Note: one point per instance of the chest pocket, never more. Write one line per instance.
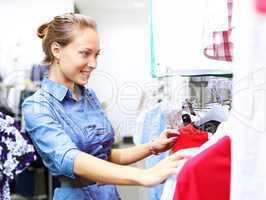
(99, 138)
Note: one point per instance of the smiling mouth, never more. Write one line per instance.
(87, 73)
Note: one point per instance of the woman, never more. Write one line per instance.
(69, 128)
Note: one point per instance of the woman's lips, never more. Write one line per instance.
(85, 72)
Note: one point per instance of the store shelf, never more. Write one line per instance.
(194, 72)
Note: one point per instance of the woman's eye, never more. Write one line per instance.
(87, 54)
(84, 53)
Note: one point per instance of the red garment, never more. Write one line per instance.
(207, 175)
(223, 50)
(190, 137)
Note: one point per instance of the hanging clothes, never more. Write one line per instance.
(150, 125)
(207, 175)
(221, 89)
(16, 154)
(218, 29)
(217, 114)
(170, 183)
(38, 72)
(248, 117)
(201, 142)
(190, 137)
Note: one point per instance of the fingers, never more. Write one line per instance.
(174, 171)
(172, 139)
(175, 163)
(171, 133)
(177, 156)
(170, 172)
(169, 168)
(168, 140)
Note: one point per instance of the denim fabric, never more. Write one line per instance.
(91, 192)
(61, 127)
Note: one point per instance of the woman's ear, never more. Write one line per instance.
(56, 50)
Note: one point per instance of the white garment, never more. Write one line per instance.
(248, 177)
(169, 188)
(170, 184)
(218, 113)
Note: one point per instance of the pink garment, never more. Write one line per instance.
(222, 47)
(260, 6)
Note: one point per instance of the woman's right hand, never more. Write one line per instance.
(161, 171)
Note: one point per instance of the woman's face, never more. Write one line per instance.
(79, 58)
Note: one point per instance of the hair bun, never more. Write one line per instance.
(42, 30)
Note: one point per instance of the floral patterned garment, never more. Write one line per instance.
(16, 154)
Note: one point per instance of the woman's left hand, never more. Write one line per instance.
(164, 142)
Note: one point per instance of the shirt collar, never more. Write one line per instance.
(57, 90)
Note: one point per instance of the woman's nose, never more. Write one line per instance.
(92, 63)
(93, 66)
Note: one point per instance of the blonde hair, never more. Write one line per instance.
(61, 30)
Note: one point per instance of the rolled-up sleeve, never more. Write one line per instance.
(55, 147)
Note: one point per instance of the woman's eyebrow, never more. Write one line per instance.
(89, 49)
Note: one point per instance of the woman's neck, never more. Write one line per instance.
(57, 76)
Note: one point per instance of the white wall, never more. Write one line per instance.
(19, 45)
(182, 29)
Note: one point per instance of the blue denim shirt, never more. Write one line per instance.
(61, 127)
